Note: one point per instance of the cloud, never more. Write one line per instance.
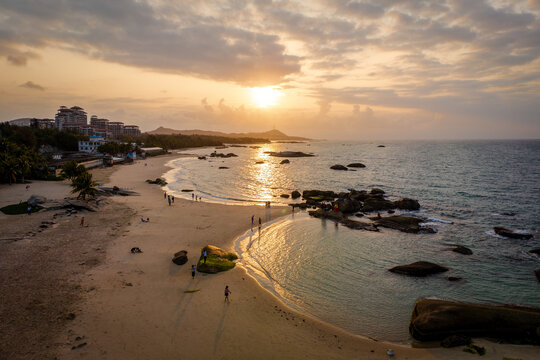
(205, 105)
(32, 86)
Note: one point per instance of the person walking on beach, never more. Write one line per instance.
(227, 292)
(165, 195)
(252, 221)
(169, 199)
(172, 197)
(193, 271)
(192, 196)
(260, 222)
(82, 221)
(29, 209)
(204, 254)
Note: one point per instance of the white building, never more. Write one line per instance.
(91, 145)
(70, 118)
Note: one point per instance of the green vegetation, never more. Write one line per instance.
(17, 209)
(114, 148)
(84, 185)
(191, 291)
(72, 169)
(33, 138)
(183, 141)
(217, 260)
(18, 162)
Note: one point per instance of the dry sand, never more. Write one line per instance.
(135, 306)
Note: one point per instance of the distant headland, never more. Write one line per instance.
(274, 135)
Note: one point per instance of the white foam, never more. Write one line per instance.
(441, 221)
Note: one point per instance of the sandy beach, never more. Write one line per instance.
(99, 301)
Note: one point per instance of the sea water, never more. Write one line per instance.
(341, 275)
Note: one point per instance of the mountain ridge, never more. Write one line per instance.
(270, 135)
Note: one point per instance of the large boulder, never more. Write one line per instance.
(347, 205)
(407, 204)
(434, 319)
(358, 225)
(286, 161)
(376, 191)
(295, 194)
(319, 195)
(180, 258)
(377, 202)
(323, 214)
(356, 165)
(537, 274)
(217, 260)
(338, 167)
(462, 250)
(36, 200)
(419, 268)
(499, 230)
(402, 223)
(289, 154)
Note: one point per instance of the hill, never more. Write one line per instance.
(270, 135)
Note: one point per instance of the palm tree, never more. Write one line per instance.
(71, 170)
(84, 185)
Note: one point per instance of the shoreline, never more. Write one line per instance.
(136, 305)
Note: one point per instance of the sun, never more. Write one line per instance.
(265, 97)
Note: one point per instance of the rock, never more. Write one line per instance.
(347, 205)
(455, 340)
(223, 167)
(359, 215)
(358, 195)
(80, 205)
(462, 250)
(474, 349)
(295, 194)
(221, 155)
(537, 274)
(286, 161)
(407, 204)
(158, 181)
(391, 211)
(259, 162)
(319, 195)
(402, 223)
(535, 251)
(356, 165)
(36, 200)
(377, 203)
(180, 258)
(419, 268)
(285, 196)
(289, 154)
(201, 157)
(454, 278)
(358, 225)
(338, 167)
(499, 230)
(381, 146)
(376, 191)
(434, 319)
(322, 214)
(217, 260)
(187, 190)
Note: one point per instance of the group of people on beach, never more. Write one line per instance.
(195, 197)
(169, 198)
(253, 222)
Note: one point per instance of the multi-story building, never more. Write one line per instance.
(69, 117)
(116, 128)
(91, 145)
(42, 123)
(132, 130)
(101, 124)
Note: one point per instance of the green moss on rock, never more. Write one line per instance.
(217, 260)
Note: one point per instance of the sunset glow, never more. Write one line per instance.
(264, 97)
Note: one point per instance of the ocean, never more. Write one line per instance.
(340, 275)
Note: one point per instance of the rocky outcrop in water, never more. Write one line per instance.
(402, 223)
(499, 230)
(289, 154)
(319, 195)
(338, 167)
(437, 319)
(407, 204)
(419, 268)
(221, 155)
(462, 250)
(295, 194)
(537, 274)
(356, 165)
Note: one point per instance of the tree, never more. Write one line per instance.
(84, 185)
(71, 170)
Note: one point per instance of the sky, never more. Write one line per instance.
(350, 70)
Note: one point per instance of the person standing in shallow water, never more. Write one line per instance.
(193, 271)
(260, 222)
(227, 292)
